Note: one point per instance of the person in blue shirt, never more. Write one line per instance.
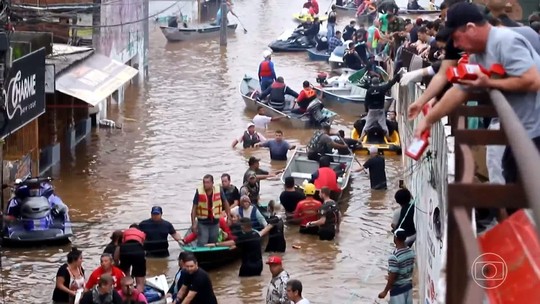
(334, 42)
(277, 146)
(218, 14)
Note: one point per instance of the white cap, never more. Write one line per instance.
(267, 53)
(373, 150)
(250, 125)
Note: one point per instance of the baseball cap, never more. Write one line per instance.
(250, 125)
(459, 15)
(157, 210)
(400, 234)
(252, 175)
(373, 149)
(274, 259)
(252, 160)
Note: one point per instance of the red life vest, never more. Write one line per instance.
(265, 70)
(134, 234)
(327, 178)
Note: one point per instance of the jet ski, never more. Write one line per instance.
(36, 215)
(294, 41)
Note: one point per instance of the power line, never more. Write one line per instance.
(109, 25)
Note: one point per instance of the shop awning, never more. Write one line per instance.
(94, 79)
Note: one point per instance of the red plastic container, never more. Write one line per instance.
(452, 75)
(417, 146)
(497, 71)
(508, 267)
(469, 71)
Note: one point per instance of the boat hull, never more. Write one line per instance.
(213, 257)
(250, 84)
(301, 168)
(346, 11)
(341, 98)
(16, 236)
(188, 34)
(315, 55)
(155, 289)
(419, 12)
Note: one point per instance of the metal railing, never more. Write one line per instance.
(464, 194)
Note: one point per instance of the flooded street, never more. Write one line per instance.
(177, 128)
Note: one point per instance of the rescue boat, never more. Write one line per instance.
(301, 168)
(375, 138)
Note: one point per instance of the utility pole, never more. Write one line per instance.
(223, 31)
(96, 24)
(5, 65)
(146, 33)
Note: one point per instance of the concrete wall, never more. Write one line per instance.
(427, 180)
(122, 39)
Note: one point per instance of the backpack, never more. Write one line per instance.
(314, 145)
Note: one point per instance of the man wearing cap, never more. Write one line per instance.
(376, 166)
(488, 45)
(251, 188)
(277, 289)
(400, 272)
(267, 73)
(209, 203)
(253, 163)
(249, 242)
(157, 230)
(249, 138)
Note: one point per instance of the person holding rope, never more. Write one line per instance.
(400, 271)
(405, 220)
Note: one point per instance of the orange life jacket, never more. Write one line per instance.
(202, 206)
(264, 69)
(310, 95)
(327, 178)
(134, 234)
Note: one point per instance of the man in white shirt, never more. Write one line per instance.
(294, 292)
(261, 120)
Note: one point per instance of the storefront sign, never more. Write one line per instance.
(24, 92)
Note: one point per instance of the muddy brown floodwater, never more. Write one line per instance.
(178, 127)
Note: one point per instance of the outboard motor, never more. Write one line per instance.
(322, 43)
(35, 213)
(321, 78)
(173, 21)
(315, 112)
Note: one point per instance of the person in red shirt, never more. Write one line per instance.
(106, 267)
(314, 9)
(306, 96)
(307, 210)
(326, 177)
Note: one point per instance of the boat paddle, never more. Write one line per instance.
(245, 31)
